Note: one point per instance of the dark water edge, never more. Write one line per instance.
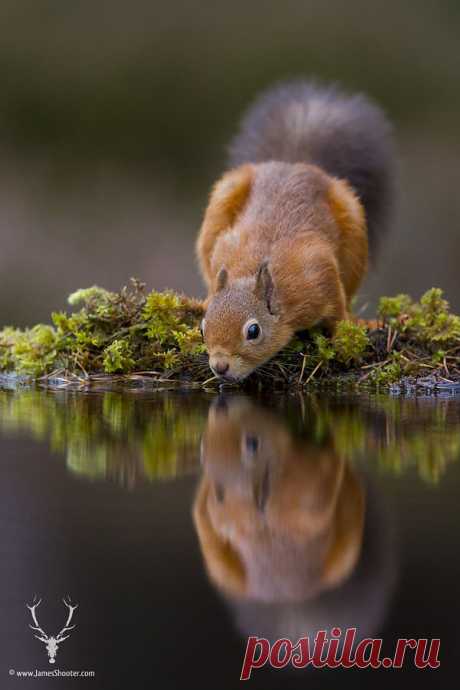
(109, 498)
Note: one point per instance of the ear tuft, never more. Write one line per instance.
(222, 279)
(265, 287)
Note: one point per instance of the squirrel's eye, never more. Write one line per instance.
(253, 331)
(252, 443)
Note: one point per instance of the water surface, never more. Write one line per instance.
(183, 523)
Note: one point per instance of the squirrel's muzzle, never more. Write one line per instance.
(220, 366)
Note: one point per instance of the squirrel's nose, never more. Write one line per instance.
(221, 368)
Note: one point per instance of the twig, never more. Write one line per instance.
(444, 362)
(314, 372)
(212, 378)
(303, 368)
(388, 338)
(375, 365)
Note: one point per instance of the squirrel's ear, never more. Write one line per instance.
(227, 200)
(222, 279)
(265, 288)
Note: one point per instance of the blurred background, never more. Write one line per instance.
(114, 120)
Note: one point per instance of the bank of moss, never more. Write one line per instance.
(137, 338)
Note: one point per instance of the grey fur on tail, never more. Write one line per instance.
(346, 135)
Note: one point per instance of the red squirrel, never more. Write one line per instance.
(285, 238)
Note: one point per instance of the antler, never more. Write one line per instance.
(34, 618)
(66, 627)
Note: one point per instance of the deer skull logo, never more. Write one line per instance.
(52, 643)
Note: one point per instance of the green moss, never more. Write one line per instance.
(31, 351)
(87, 296)
(428, 321)
(111, 333)
(387, 374)
(118, 357)
(325, 348)
(394, 308)
(350, 342)
(124, 333)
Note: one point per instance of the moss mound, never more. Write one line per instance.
(137, 338)
(108, 333)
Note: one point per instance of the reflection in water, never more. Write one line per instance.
(122, 438)
(288, 509)
(280, 520)
(135, 437)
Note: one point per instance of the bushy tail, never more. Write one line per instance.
(346, 135)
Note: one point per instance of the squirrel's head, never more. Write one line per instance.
(243, 325)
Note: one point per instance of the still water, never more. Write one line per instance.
(181, 524)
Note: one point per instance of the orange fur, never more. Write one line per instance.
(310, 229)
(353, 249)
(227, 198)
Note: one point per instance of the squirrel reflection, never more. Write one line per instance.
(279, 518)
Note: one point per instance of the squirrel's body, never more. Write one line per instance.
(284, 242)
